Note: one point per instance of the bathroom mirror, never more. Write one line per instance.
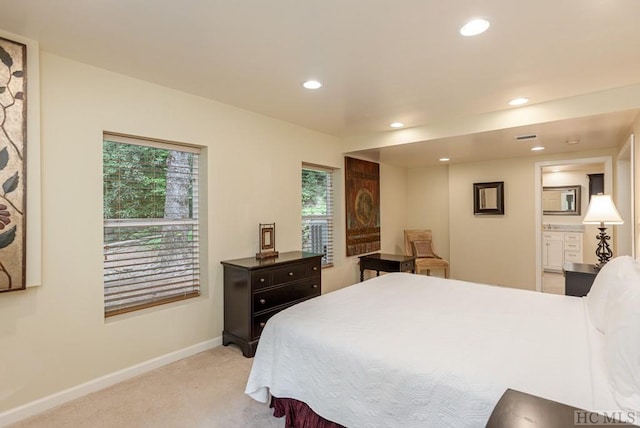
(561, 200)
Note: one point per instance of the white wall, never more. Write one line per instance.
(55, 336)
(393, 209)
(493, 249)
(428, 204)
(487, 249)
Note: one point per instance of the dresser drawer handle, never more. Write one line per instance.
(315, 268)
(314, 286)
(263, 301)
(290, 273)
(262, 324)
(261, 279)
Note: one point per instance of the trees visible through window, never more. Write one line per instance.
(317, 211)
(151, 240)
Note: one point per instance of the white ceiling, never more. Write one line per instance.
(585, 133)
(380, 60)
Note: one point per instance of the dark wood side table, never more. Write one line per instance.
(578, 278)
(518, 409)
(386, 263)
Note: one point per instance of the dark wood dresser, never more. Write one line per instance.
(255, 290)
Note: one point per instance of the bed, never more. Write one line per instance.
(413, 351)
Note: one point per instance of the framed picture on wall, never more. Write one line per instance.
(488, 198)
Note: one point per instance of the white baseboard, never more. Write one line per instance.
(30, 409)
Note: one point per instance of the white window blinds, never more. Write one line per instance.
(317, 211)
(151, 227)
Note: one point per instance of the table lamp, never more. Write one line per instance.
(602, 211)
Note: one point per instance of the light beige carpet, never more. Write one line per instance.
(205, 390)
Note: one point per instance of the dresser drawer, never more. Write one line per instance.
(259, 322)
(290, 273)
(313, 268)
(265, 300)
(408, 266)
(261, 279)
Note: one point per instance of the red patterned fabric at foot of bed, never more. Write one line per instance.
(299, 415)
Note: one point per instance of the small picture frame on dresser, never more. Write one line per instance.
(267, 238)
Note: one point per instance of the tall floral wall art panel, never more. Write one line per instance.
(13, 143)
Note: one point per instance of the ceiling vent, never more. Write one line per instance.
(527, 137)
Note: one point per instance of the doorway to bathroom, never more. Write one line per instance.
(562, 197)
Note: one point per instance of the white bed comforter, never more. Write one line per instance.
(406, 350)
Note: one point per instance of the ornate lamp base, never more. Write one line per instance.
(603, 251)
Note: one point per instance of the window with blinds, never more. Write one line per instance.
(150, 211)
(317, 211)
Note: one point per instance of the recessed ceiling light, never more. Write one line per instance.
(537, 148)
(312, 84)
(396, 125)
(474, 27)
(444, 159)
(573, 141)
(518, 101)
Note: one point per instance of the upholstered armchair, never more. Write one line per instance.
(419, 243)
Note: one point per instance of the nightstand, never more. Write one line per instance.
(578, 278)
(518, 409)
(386, 263)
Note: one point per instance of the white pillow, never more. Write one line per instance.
(615, 277)
(622, 351)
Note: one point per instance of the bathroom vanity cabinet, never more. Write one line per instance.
(559, 248)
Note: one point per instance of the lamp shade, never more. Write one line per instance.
(602, 210)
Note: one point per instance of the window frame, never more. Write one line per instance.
(328, 259)
(191, 241)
